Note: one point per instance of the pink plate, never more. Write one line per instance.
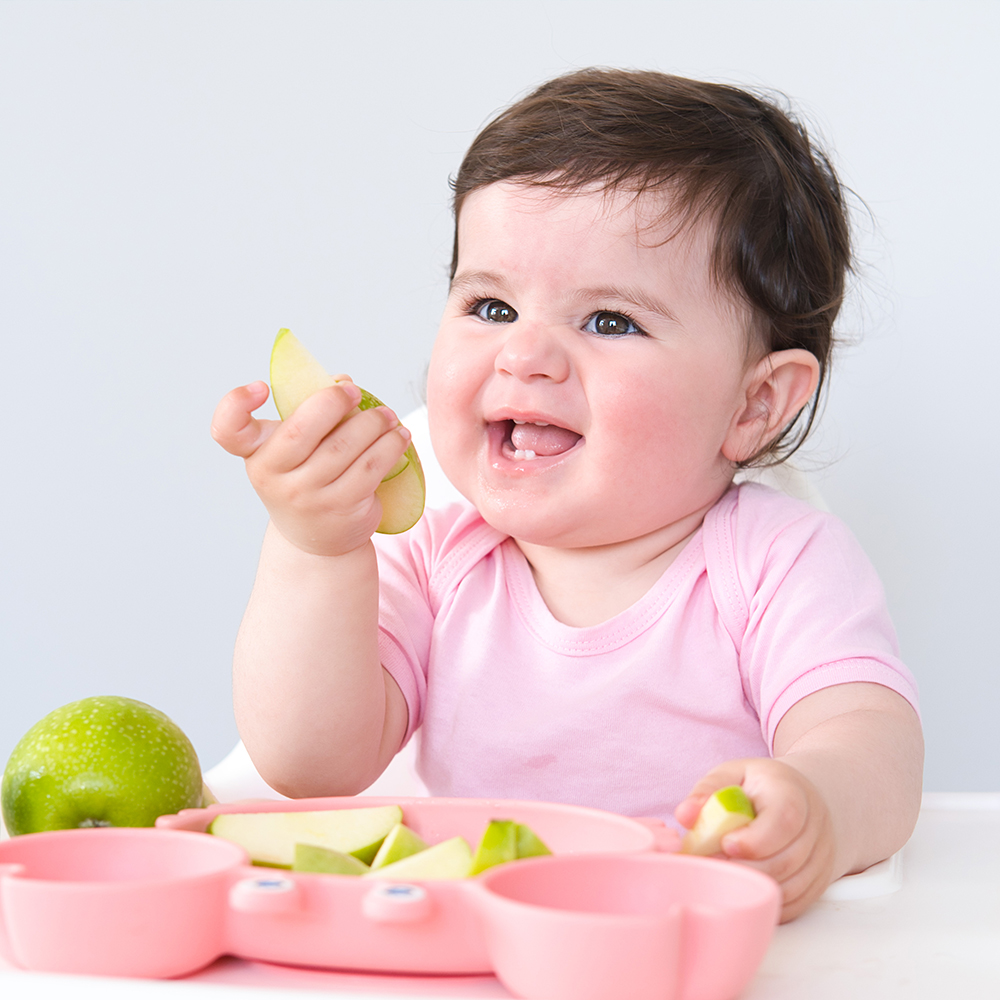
(609, 908)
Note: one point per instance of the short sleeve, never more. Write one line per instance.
(801, 602)
(405, 621)
(416, 571)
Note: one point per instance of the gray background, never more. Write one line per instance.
(178, 180)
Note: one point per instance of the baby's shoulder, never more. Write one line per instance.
(753, 514)
(455, 527)
(443, 544)
(756, 533)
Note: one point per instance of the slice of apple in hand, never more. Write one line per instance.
(295, 376)
(726, 810)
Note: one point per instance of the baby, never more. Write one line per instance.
(645, 277)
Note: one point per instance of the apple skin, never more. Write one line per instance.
(497, 846)
(103, 761)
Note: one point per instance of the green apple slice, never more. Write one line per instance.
(270, 837)
(325, 860)
(295, 376)
(449, 859)
(529, 844)
(726, 810)
(399, 843)
(497, 846)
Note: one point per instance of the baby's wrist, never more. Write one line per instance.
(287, 547)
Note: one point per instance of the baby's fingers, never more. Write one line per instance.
(233, 424)
(782, 809)
(805, 884)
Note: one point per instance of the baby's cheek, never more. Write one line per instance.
(451, 438)
(656, 445)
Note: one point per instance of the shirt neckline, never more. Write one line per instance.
(590, 640)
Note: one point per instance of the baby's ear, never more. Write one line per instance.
(777, 387)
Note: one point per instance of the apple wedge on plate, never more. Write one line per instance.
(401, 842)
(497, 846)
(325, 860)
(447, 860)
(270, 837)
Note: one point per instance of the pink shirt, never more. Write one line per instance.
(768, 602)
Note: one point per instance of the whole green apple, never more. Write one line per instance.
(104, 761)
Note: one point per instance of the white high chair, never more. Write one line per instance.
(235, 777)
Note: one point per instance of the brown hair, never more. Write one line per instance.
(782, 240)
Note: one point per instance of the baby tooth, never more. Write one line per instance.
(529, 453)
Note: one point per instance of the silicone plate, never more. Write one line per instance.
(607, 915)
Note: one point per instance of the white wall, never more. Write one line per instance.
(180, 179)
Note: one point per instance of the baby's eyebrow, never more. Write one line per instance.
(465, 280)
(622, 294)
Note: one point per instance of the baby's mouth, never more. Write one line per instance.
(525, 441)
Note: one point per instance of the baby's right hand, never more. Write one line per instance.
(317, 471)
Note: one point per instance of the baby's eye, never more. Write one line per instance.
(495, 311)
(609, 324)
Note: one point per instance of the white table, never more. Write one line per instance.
(937, 937)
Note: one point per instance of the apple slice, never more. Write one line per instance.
(270, 837)
(529, 844)
(399, 843)
(449, 859)
(313, 858)
(726, 810)
(295, 376)
(497, 846)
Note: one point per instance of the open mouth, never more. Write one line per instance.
(524, 441)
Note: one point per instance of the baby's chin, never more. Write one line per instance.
(509, 511)
(550, 526)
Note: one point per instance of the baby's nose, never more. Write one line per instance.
(533, 351)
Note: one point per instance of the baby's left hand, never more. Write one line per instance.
(792, 838)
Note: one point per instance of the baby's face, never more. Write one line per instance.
(586, 374)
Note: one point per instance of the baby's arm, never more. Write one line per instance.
(841, 793)
(318, 714)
